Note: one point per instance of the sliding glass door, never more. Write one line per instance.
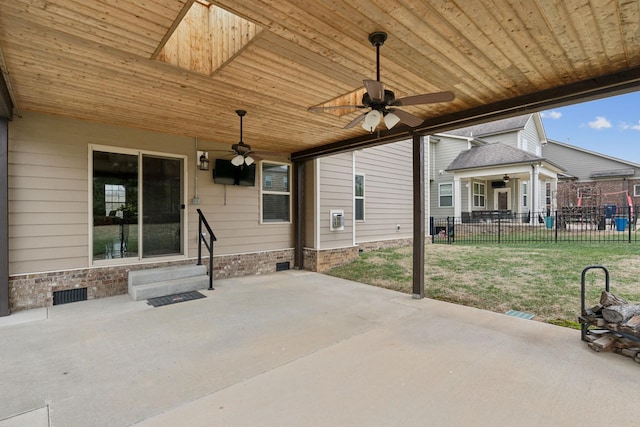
(162, 206)
(137, 205)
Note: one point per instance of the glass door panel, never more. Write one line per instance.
(162, 206)
(115, 205)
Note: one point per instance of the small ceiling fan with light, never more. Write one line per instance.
(243, 154)
(243, 151)
(383, 103)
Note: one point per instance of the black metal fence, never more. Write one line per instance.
(575, 224)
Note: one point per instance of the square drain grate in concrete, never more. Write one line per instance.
(175, 298)
(520, 314)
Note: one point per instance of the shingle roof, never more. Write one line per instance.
(491, 128)
(491, 155)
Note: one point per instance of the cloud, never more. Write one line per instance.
(625, 126)
(600, 123)
(551, 115)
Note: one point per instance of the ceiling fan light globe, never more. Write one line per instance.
(371, 120)
(248, 160)
(390, 120)
(237, 160)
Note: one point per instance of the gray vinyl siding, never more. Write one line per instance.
(336, 193)
(581, 164)
(49, 194)
(530, 134)
(388, 172)
(442, 154)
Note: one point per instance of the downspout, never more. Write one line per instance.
(4, 216)
(428, 178)
(299, 171)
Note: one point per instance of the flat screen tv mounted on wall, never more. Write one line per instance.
(225, 172)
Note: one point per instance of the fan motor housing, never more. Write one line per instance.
(378, 38)
(389, 97)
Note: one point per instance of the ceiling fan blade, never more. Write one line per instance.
(426, 98)
(375, 89)
(355, 121)
(406, 118)
(335, 107)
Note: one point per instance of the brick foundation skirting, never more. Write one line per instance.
(36, 290)
(326, 259)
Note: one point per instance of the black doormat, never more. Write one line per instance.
(175, 298)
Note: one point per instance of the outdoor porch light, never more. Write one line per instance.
(506, 178)
(390, 120)
(204, 161)
(371, 120)
(237, 160)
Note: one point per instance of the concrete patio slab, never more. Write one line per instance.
(302, 349)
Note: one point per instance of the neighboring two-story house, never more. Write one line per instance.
(494, 169)
(595, 180)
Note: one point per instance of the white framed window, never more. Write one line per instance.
(525, 194)
(636, 190)
(445, 195)
(479, 195)
(358, 192)
(275, 193)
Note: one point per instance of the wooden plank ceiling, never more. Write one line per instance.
(116, 61)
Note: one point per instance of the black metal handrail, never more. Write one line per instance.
(208, 245)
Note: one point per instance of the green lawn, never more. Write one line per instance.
(542, 279)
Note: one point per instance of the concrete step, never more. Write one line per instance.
(159, 282)
(142, 277)
(168, 287)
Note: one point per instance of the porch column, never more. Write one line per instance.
(457, 197)
(299, 216)
(535, 202)
(4, 216)
(418, 217)
(531, 195)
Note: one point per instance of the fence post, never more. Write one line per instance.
(629, 222)
(432, 229)
(555, 221)
(499, 230)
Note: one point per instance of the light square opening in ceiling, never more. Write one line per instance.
(351, 98)
(206, 38)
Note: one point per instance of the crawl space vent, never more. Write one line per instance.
(281, 266)
(69, 295)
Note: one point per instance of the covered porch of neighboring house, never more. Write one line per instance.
(497, 181)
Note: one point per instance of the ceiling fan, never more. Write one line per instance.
(382, 102)
(243, 153)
